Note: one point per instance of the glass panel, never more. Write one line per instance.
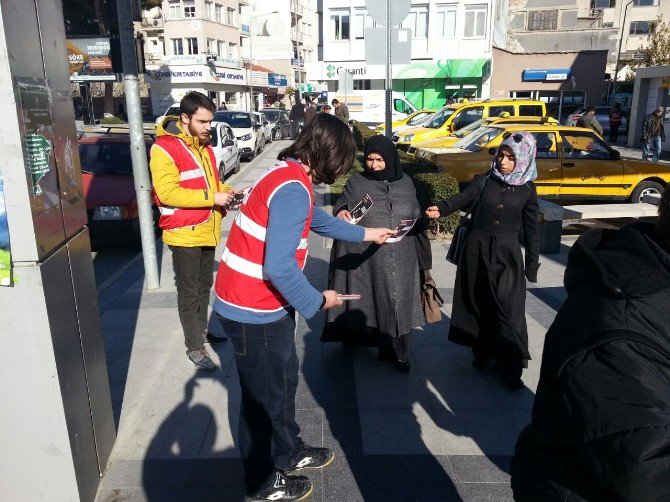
(546, 145)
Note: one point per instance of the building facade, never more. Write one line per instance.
(651, 90)
(450, 49)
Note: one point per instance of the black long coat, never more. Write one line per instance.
(490, 292)
(601, 418)
(387, 276)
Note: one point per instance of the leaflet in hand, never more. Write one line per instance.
(403, 229)
(360, 209)
(239, 197)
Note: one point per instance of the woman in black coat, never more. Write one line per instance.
(387, 277)
(490, 292)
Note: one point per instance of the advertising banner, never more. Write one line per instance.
(195, 74)
(90, 59)
(5, 257)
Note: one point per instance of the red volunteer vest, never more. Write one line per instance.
(241, 280)
(191, 175)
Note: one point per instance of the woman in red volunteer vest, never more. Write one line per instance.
(260, 286)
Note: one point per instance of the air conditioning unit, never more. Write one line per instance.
(156, 22)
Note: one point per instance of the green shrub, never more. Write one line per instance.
(361, 133)
(434, 187)
(336, 188)
(111, 120)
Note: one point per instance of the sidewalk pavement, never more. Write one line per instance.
(444, 432)
(636, 153)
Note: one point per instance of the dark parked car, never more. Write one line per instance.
(109, 189)
(280, 125)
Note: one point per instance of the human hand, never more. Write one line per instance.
(344, 215)
(433, 212)
(223, 198)
(378, 235)
(331, 299)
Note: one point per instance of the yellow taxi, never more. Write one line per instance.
(503, 118)
(459, 115)
(572, 163)
(414, 119)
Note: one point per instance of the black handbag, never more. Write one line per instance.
(461, 233)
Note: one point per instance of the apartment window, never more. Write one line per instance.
(211, 46)
(221, 48)
(446, 20)
(174, 11)
(209, 10)
(192, 44)
(232, 50)
(218, 13)
(230, 16)
(642, 3)
(359, 24)
(417, 21)
(642, 27)
(339, 20)
(541, 20)
(475, 21)
(177, 46)
(189, 8)
(603, 4)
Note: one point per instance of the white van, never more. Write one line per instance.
(172, 110)
(250, 138)
(369, 108)
(225, 148)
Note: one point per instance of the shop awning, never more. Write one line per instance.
(450, 68)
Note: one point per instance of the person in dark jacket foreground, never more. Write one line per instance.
(601, 420)
(489, 312)
(387, 277)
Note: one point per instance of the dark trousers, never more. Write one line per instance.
(267, 365)
(194, 274)
(614, 133)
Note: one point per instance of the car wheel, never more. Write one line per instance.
(646, 188)
(238, 164)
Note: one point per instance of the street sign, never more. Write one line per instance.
(375, 46)
(345, 83)
(377, 11)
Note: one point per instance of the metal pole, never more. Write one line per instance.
(389, 85)
(251, 67)
(138, 150)
(618, 54)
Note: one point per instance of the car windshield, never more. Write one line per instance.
(272, 115)
(469, 128)
(105, 158)
(478, 139)
(234, 119)
(439, 118)
(173, 110)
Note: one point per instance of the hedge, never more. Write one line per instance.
(430, 184)
(111, 120)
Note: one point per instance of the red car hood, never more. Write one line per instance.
(108, 190)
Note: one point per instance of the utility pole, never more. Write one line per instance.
(389, 82)
(138, 151)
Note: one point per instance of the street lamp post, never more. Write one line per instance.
(618, 54)
(251, 64)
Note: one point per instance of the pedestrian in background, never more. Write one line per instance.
(490, 292)
(588, 119)
(601, 420)
(341, 111)
(259, 287)
(326, 109)
(297, 118)
(615, 122)
(389, 277)
(192, 201)
(653, 134)
(310, 111)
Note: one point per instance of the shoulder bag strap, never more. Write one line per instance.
(474, 202)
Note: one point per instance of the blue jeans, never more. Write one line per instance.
(653, 146)
(267, 365)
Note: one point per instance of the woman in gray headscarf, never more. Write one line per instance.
(490, 292)
(387, 277)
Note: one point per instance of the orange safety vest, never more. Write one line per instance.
(191, 175)
(241, 280)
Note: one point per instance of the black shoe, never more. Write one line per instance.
(310, 458)
(287, 488)
(402, 366)
(211, 338)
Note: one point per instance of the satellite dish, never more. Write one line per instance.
(275, 26)
(195, 24)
